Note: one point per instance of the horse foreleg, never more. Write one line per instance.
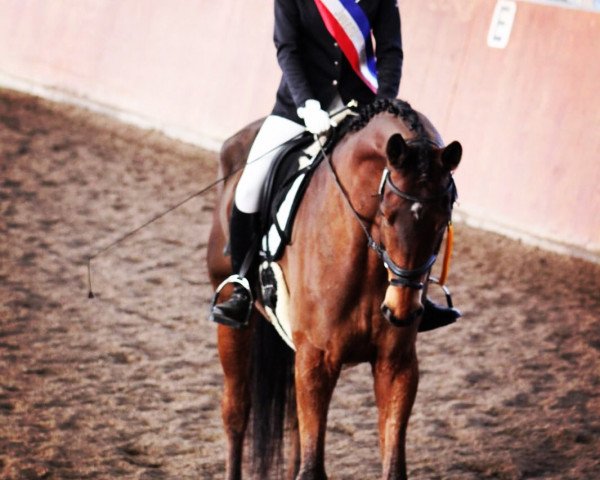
(315, 381)
(234, 351)
(396, 381)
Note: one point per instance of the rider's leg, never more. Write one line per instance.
(242, 228)
(274, 132)
(244, 216)
(436, 316)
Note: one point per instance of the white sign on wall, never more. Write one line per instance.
(502, 23)
(590, 5)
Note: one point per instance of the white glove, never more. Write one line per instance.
(316, 120)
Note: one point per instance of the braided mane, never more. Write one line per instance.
(396, 107)
(419, 160)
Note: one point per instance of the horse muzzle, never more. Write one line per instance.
(402, 303)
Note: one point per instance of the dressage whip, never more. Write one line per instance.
(174, 207)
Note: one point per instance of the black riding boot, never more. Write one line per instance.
(242, 230)
(436, 316)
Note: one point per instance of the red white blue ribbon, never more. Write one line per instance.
(349, 26)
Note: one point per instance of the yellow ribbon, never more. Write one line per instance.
(447, 254)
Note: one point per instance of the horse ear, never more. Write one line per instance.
(396, 147)
(451, 155)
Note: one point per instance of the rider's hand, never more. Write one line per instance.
(316, 120)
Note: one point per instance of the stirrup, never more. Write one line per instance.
(445, 289)
(444, 317)
(238, 280)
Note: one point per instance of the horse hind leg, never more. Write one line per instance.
(235, 353)
(234, 345)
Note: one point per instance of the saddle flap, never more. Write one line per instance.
(285, 164)
(286, 184)
(282, 193)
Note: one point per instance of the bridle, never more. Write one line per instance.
(400, 277)
(405, 277)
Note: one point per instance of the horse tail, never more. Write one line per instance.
(273, 398)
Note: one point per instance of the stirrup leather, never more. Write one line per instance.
(445, 289)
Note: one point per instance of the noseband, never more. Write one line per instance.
(404, 277)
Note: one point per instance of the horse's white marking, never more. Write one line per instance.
(280, 318)
(416, 209)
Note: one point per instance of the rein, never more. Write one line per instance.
(402, 277)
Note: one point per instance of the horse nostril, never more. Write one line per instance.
(401, 322)
(387, 313)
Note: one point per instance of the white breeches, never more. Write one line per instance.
(274, 131)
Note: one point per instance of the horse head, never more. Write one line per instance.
(417, 193)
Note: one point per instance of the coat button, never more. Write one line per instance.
(334, 83)
(335, 44)
(336, 63)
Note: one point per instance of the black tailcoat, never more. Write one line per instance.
(314, 66)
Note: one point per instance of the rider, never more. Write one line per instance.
(325, 51)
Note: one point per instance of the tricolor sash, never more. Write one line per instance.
(349, 26)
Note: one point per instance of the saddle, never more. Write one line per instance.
(282, 194)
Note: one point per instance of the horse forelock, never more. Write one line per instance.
(421, 161)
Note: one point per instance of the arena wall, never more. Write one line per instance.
(527, 115)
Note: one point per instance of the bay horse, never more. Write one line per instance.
(364, 239)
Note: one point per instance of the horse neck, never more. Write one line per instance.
(358, 162)
(358, 168)
(360, 158)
